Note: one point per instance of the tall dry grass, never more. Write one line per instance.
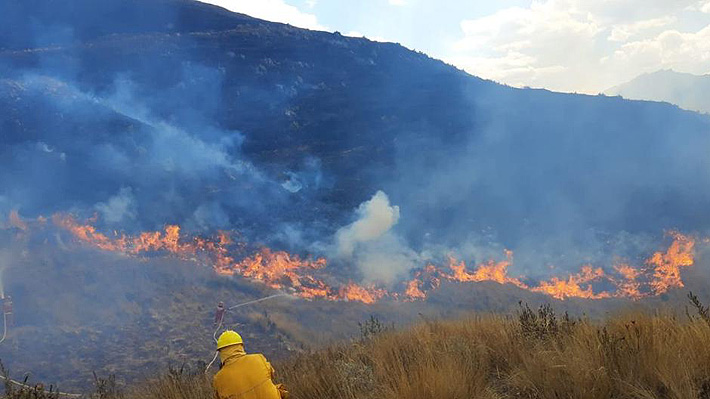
(533, 355)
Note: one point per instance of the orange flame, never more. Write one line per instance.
(414, 290)
(488, 271)
(573, 285)
(428, 276)
(666, 266)
(281, 270)
(628, 286)
(276, 269)
(16, 221)
(354, 292)
(86, 233)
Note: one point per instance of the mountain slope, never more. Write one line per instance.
(345, 117)
(40, 23)
(686, 90)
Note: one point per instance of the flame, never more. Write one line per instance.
(573, 285)
(304, 277)
(354, 292)
(276, 269)
(666, 266)
(487, 271)
(414, 290)
(628, 286)
(16, 221)
(86, 233)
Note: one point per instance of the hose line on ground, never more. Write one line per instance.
(219, 326)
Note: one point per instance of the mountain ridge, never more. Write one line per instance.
(685, 90)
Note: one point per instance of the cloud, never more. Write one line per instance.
(575, 45)
(622, 33)
(273, 10)
(358, 34)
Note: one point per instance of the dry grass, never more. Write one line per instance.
(176, 384)
(533, 355)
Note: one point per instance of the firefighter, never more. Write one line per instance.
(244, 376)
(219, 313)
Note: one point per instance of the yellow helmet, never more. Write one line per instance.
(229, 338)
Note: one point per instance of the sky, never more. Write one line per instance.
(584, 46)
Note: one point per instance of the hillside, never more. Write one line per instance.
(685, 90)
(213, 114)
(535, 354)
(180, 142)
(79, 311)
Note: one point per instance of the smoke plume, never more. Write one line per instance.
(370, 242)
(375, 218)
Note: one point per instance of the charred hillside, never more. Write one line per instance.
(79, 311)
(342, 117)
(221, 121)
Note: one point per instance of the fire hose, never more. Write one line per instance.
(214, 336)
(219, 326)
(58, 393)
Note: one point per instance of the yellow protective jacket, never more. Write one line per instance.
(245, 376)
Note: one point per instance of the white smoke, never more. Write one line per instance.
(3, 264)
(370, 243)
(119, 207)
(375, 218)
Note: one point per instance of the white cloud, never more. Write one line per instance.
(671, 49)
(701, 5)
(272, 10)
(355, 33)
(622, 33)
(358, 34)
(586, 46)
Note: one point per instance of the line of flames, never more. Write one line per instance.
(305, 277)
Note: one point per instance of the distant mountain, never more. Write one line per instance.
(685, 90)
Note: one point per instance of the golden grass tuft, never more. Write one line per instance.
(534, 355)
